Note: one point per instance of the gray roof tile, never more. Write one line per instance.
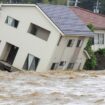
(65, 19)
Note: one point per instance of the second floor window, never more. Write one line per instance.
(39, 32)
(59, 40)
(79, 43)
(99, 38)
(12, 22)
(70, 43)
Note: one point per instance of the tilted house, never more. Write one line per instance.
(42, 37)
(98, 21)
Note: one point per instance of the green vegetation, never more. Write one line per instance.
(97, 59)
(35, 1)
(90, 63)
(100, 55)
(91, 27)
(89, 4)
(101, 52)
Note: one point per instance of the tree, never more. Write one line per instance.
(46, 1)
(102, 9)
(90, 63)
(89, 4)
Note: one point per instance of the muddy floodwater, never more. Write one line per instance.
(54, 88)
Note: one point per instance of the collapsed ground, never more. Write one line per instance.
(52, 88)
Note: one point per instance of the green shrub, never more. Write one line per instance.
(101, 52)
(90, 63)
(91, 27)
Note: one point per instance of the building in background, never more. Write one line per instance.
(98, 21)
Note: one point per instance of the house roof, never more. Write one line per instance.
(65, 19)
(89, 17)
(62, 17)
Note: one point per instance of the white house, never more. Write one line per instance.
(42, 37)
(98, 21)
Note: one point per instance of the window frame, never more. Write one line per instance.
(14, 22)
(70, 65)
(62, 63)
(59, 40)
(70, 43)
(38, 28)
(79, 43)
(98, 40)
(28, 65)
(31, 28)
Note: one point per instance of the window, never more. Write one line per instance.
(70, 43)
(70, 66)
(54, 66)
(59, 40)
(32, 29)
(92, 40)
(79, 43)
(62, 63)
(96, 37)
(99, 38)
(38, 32)
(31, 62)
(12, 22)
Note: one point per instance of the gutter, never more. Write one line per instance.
(87, 54)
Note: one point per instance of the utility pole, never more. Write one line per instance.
(68, 3)
(73, 2)
(76, 3)
(10, 1)
(96, 7)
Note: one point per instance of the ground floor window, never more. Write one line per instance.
(99, 38)
(62, 63)
(31, 62)
(54, 66)
(9, 53)
(70, 66)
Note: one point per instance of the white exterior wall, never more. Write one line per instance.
(95, 47)
(26, 42)
(64, 53)
(81, 57)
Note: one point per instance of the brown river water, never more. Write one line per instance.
(52, 88)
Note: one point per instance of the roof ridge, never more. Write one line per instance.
(51, 4)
